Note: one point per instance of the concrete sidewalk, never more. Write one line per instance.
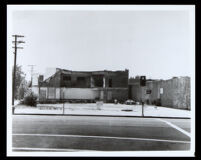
(106, 109)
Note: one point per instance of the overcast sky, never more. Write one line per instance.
(151, 43)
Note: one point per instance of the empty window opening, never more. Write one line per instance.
(110, 82)
(81, 82)
(81, 78)
(98, 81)
(66, 78)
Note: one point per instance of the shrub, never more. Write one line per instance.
(30, 100)
(48, 101)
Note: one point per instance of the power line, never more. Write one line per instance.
(16, 42)
(32, 69)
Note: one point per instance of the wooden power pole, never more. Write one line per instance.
(16, 42)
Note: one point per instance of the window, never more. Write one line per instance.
(81, 82)
(98, 80)
(81, 78)
(110, 82)
(66, 78)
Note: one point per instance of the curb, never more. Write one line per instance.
(102, 115)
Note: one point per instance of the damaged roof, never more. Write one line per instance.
(65, 71)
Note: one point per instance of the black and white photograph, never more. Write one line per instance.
(101, 80)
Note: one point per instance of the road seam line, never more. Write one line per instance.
(106, 137)
(176, 127)
(49, 149)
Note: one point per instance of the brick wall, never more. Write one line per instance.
(119, 79)
(120, 94)
(176, 92)
(68, 79)
(53, 81)
(154, 86)
(136, 92)
(74, 82)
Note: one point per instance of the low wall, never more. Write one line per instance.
(79, 93)
(109, 94)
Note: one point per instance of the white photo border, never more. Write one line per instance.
(12, 8)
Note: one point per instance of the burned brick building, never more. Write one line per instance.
(81, 85)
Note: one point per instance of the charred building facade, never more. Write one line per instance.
(96, 85)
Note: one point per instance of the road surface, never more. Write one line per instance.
(75, 133)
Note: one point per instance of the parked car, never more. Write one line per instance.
(129, 102)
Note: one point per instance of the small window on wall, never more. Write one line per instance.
(66, 78)
(110, 82)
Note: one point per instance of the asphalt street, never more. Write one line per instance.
(72, 133)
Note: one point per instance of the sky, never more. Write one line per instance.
(151, 43)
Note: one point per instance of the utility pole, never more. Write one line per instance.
(16, 42)
(32, 69)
